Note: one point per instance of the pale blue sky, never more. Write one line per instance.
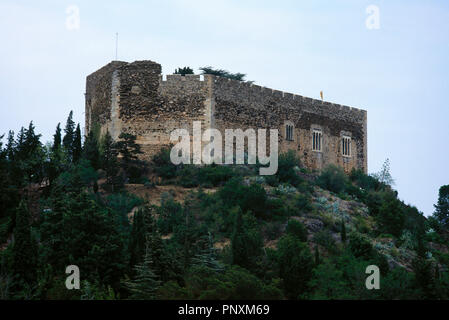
(398, 73)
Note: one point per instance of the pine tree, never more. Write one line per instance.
(128, 149)
(69, 136)
(109, 162)
(24, 250)
(91, 150)
(422, 269)
(208, 256)
(317, 256)
(57, 138)
(77, 150)
(29, 156)
(145, 284)
(142, 226)
(343, 232)
(10, 146)
(442, 207)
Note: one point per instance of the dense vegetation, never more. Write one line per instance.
(295, 235)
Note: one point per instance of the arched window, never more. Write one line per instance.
(346, 146)
(316, 140)
(289, 132)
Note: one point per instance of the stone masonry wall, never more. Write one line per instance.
(133, 98)
(242, 105)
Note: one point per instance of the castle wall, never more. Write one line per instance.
(98, 95)
(134, 98)
(242, 105)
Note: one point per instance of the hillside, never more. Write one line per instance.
(152, 230)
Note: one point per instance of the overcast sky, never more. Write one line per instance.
(398, 72)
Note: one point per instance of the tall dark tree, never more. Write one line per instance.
(129, 149)
(25, 249)
(442, 207)
(77, 230)
(423, 271)
(142, 226)
(391, 217)
(208, 256)
(10, 180)
(56, 164)
(109, 162)
(295, 266)
(29, 155)
(77, 149)
(246, 243)
(69, 135)
(3, 180)
(146, 282)
(91, 150)
(10, 146)
(57, 138)
(343, 232)
(317, 256)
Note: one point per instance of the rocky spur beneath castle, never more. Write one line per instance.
(211, 152)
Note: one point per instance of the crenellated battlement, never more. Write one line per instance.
(256, 89)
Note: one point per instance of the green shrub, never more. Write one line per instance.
(252, 198)
(333, 179)
(391, 217)
(303, 203)
(162, 164)
(364, 181)
(170, 215)
(295, 266)
(215, 174)
(286, 168)
(325, 239)
(276, 208)
(272, 230)
(297, 229)
(188, 177)
(360, 246)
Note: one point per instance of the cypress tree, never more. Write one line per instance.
(24, 250)
(109, 162)
(442, 206)
(69, 136)
(317, 256)
(129, 149)
(77, 150)
(238, 245)
(10, 146)
(57, 138)
(142, 226)
(91, 150)
(343, 232)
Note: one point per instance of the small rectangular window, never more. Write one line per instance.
(316, 140)
(346, 146)
(289, 132)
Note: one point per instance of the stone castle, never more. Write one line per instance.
(135, 98)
